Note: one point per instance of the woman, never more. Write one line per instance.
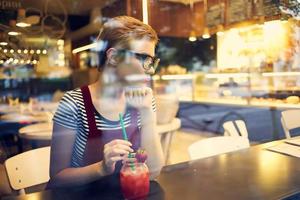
(78, 154)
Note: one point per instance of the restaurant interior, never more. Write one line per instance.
(226, 90)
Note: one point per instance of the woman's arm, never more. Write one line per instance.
(61, 172)
(142, 99)
(151, 141)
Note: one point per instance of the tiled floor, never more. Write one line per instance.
(180, 142)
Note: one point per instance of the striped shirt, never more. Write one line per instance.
(71, 114)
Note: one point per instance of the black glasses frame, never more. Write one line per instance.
(143, 57)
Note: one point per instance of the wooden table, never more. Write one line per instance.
(253, 173)
(25, 118)
(40, 106)
(39, 131)
(5, 108)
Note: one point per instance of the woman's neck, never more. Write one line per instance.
(108, 107)
(95, 89)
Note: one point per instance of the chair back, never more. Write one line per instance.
(166, 132)
(290, 120)
(235, 128)
(29, 168)
(217, 145)
(167, 106)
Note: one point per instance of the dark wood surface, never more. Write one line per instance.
(253, 173)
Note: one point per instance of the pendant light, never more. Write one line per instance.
(206, 33)
(13, 31)
(192, 35)
(21, 19)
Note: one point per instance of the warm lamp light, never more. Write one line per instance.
(13, 31)
(3, 43)
(3, 39)
(206, 34)
(83, 48)
(22, 24)
(192, 37)
(220, 30)
(145, 11)
(21, 19)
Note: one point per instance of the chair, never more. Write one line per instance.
(28, 169)
(235, 128)
(217, 145)
(290, 120)
(167, 106)
(166, 132)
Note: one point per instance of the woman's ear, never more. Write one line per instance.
(111, 55)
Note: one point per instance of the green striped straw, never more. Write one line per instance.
(125, 137)
(123, 127)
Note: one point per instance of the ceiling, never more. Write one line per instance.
(73, 7)
(80, 7)
(53, 16)
(186, 2)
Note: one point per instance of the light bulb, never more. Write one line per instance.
(3, 43)
(206, 34)
(192, 37)
(13, 33)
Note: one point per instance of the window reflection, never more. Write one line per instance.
(173, 71)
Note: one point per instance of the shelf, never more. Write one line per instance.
(175, 77)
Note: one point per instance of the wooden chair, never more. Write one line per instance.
(290, 119)
(166, 132)
(5, 188)
(28, 169)
(235, 128)
(217, 145)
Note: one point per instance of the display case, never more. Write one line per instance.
(255, 66)
(281, 89)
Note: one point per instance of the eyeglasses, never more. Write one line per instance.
(147, 61)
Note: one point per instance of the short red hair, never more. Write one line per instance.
(119, 31)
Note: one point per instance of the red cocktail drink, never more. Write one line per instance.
(134, 178)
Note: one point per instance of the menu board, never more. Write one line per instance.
(271, 7)
(10, 4)
(238, 10)
(215, 15)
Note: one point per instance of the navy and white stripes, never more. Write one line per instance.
(71, 114)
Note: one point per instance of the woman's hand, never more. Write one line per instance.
(139, 97)
(114, 151)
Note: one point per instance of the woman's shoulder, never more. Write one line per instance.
(71, 99)
(74, 95)
(74, 92)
